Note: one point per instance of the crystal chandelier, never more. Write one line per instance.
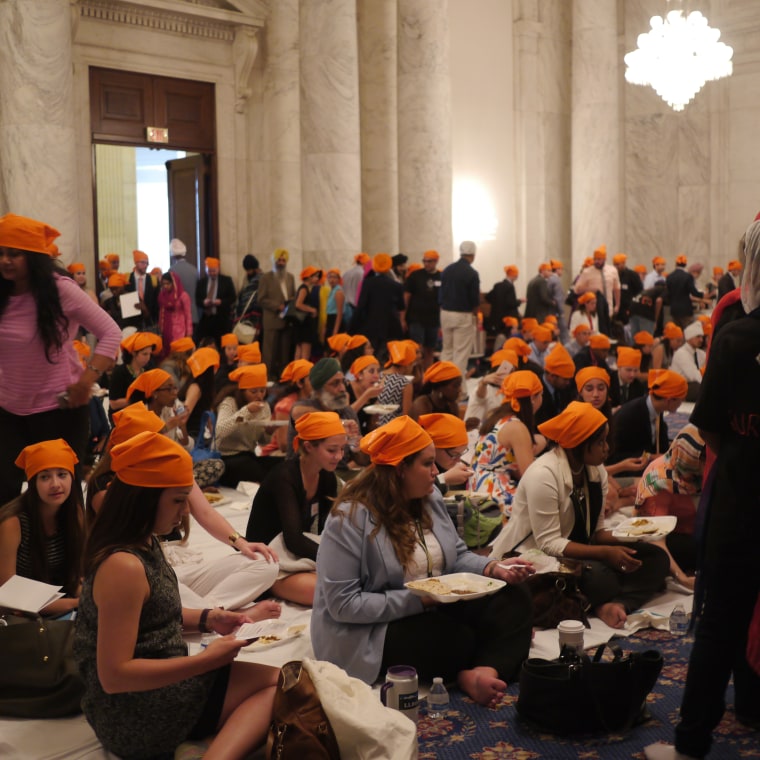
(677, 56)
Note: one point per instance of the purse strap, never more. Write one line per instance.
(208, 417)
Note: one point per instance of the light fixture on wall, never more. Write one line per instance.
(677, 56)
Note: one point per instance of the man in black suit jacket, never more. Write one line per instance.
(731, 279)
(624, 385)
(142, 282)
(559, 390)
(215, 297)
(503, 299)
(639, 426)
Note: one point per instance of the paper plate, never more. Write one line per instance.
(644, 528)
(380, 408)
(270, 633)
(455, 587)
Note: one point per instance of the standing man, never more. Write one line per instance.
(147, 291)
(214, 297)
(630, 286)
(682, 292)
(538, 300)
(187, 273)
(503, 299)
(557, 294)
(460, 300)
(731, 279)
(601, 278)
(656, 274)
(352, 278)
(423, 313)
(276, 288)
(399, 267)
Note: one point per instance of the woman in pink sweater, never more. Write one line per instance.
(175, 319)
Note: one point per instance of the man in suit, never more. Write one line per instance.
(557, 381)
(503, 299)
(276, 288)
(147, 290)
(731, 279)
(594, 354)
(639, 426)
(630, 286)
(214, 297)
(538, 300)
(624, 385)
(682, 292)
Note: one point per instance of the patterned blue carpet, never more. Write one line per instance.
(471, 732)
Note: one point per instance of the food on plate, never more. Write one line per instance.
(213, 498)
(435, 586)
(269, 639)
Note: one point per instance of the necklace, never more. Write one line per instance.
(577, 472)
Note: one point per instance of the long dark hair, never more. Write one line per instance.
(69, 521)
(230, 389)
(524, 414)
(52, 323)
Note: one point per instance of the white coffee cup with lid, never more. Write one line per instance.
(570, 634)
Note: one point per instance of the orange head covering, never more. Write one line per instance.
(202, 359)
(249, 353)
(139, 256)
(550, 319)
(734, 266)
(356, 341)
(46, 455)
(281, 253)
(643, 338)
(580, 327)
(26, 234)
(212, 261)
(156, 272)
(338, 342)
(400, 353)
(250, 376)
(559, 362)
(544, 266)
(588, 261)
(591, 373)
(441, 372)
(140, 340)
(640, 269)
(152, 460)
(658, 260)
(510, 321)
(586, 297)
(520, 384)
(666, 383)
(148, 382)
(717, 271)
(393, 442)
(382, 262)
(446, 430)
(577, 423)
(681, 260)
(619, 258)
(413, 268)
(104, 266)
(628, 357)
(544, 334)
(82, 349)
(112, 258)
(361, 258)
(601, 252)
(555, 264)
(230, 339)
(337, 273)
(511, 271)
(76, 266)
(431, 255)
(131, 420)
(316, 426)
(599, 341)
(296, 370)
(504, 355)
(181, 345)
(672, 331)
(518, 345)
(362, 363)
(117, 280)
(309, 271)
(529, 323)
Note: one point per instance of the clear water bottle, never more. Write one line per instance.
(679, 621)
(207, 638)
(438, 700)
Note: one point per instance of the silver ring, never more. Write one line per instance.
(622, 567)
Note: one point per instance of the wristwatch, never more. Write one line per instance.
(232, 538)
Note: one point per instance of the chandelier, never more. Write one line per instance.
(677, 56)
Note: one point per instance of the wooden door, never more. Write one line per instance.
(189, 183)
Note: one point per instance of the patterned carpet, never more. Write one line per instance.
(471, 732)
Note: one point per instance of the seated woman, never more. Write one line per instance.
(365, 387)
(176, 363)
(388, 527)
(397, 388)
(672, 340)
(144, 695)
(487, 394)
(294, 501)
(441, 388)
(449, 435)
(586, 313)
(227, 360)
(136, 351)
(295, 386)
(558, 508)
(356, 346)
(669, 486)
(508, 443)
(198, 392)
(157, 389)
(42, 531)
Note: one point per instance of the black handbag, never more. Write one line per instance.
(292, 314)
(38, 675)
(581, 695)
(557, 596)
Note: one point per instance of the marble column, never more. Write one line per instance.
(596, 172)
(37, 141)
(424, 129)
(379, 137)
(330, 160)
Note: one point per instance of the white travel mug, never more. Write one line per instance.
(401, 690)
(570, 634)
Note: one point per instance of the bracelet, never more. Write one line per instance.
(232, 538)
(202, 627)
(94, 369)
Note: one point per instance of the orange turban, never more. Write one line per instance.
(308, 272)
(601, 252)
(643, 338)
(315, 426)
(361, 258)
(82, 349)
(75, 267)
(362, 363)
(559, 362)
(203, 359)
(446, 430)
(544, 334)
(658, 260)
(413, 268)
(640, 269)
(681, 260)
(104, 266)
(734, 266)
(579, 328)
(152, 460)
(672, 331)
(586, 297)
(139, 256)
(296, 370)
(619, 258)
(140, 340)
(550, 319)
(529, 323)
(599, 341)
(356, 341)
(133, 419)
(249, 353)
(554, 264)
(181, 345)
(588, 261)
(338, 342)
(250, 376)
(148, 382)
(26, 234)
(717, 271)
(212, 261)
(117, 280)
(511, 271)
(431, 255)
(544, 267)
(393, 442)
(518, 345)
(520, 384)
(666, 383)
(440, 372)
(504, 355)
(400, 353)
(510, 321)
(112, 258)
(576, 424)
(46, 455)
(382, 262)
(628, 357)
(229, 339)
(591, 373)
(156, 272)
(336, 272)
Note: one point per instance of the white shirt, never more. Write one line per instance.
(688, 361)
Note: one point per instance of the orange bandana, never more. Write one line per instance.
(667, 384)
(591, 373)
(446, 430)
(440, 372)
(152, 460)
(133, 419)
(181, 345)
(250, 376)
(393, 442)
(46, 455)
(296, 370)
(315, 426)
(202, 359)
(26, 234)
(578, 422)
(559, 362)
(362, 363)
(249, 353)
(519, 385)
(148, 382)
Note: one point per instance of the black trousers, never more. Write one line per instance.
(246, 466)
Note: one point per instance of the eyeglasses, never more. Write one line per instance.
(454, 454)
(168, 388)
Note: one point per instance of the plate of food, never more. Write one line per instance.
(644, 528)
(475, 497)
(455, 587)
(269, 633)
(215, 499)
(380, 408)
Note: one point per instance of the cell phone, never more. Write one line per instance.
(505, 368)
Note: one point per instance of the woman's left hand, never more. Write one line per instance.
(252, 549)
(225, 621)
(79, 394)
(512, 570)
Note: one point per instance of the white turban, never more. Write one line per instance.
(177, 247)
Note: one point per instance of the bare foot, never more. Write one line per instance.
(612, 613)
(482, 684)
(264, 610)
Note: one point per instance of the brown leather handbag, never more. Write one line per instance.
(300, 729)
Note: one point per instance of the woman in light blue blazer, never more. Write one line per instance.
(389, 526)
